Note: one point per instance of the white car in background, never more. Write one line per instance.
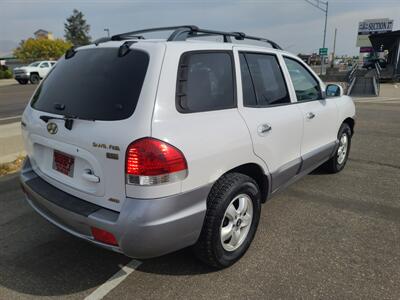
(33, 72)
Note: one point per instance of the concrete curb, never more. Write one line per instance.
(11, 144)
(7, 82)
(9, 120)
(11, 157)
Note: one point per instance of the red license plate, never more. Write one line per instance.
(63, 163)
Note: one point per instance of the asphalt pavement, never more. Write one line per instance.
(325, 237)
(13, 99)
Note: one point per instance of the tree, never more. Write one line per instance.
(76, 29)
(41, 49)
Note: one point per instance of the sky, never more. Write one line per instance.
(294, 24)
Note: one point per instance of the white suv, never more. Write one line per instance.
(145, 146)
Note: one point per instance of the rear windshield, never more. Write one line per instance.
(94, 84)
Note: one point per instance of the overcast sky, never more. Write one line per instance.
(294, 24)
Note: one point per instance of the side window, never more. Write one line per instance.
(306, 86)
(263, 81)
(44, 65)
(205, 82)
(52, 63)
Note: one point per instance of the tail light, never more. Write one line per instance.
(150, 161)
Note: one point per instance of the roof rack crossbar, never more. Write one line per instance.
(126, 35)
(181, 33)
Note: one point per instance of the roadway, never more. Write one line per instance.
(13, 99)
(326, 237)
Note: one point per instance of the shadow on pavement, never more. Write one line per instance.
(179, 263)
(59, 266)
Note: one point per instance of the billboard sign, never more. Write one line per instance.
(372, 26)
(375, 26)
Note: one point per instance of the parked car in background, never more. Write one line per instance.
(34, 72)
(145, 146)
(370, 64)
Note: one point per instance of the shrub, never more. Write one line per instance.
(8, 74)
(1, 74)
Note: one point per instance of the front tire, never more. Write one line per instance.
(34, 79)
(233, 213)
(22, 81)
(338, 161)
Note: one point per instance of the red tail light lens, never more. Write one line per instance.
(104, 236)
(151, 161)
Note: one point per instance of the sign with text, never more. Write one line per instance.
(323, 51)
(375, 26)
(372, 26)
(366, 49)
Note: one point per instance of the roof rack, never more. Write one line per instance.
(182, 33)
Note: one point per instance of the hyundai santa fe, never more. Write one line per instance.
(146, 146)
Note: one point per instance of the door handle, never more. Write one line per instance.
(89, 176)
(264, 128)
(310, 115)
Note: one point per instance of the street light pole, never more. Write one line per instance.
(334, 49)
(323, 6)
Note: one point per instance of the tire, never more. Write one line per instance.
(23, 81)
(231, 189)
(34, 79)
(338, 161)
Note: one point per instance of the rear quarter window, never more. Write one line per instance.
(205, 82)
(95, 84)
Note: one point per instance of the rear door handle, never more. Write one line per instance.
(264, 128)
(310, 115)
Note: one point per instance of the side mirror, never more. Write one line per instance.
(334, 90)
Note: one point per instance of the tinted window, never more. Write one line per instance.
(269, 84)
(44, 65)
(305, 85)
(205, 82)
(249, 96)
(94, 84)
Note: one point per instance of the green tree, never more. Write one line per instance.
(41, 49)
(76, 29)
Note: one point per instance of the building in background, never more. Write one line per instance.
(43, 34)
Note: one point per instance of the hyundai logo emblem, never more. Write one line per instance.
(52, 128)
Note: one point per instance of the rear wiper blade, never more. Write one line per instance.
(69, 120)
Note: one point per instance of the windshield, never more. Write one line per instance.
(34, 64)
(94, 84)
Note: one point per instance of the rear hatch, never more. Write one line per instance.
(84, 115)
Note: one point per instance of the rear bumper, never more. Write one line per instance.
(144, 228)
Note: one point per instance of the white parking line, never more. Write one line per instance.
(10, 118)
(114, 281)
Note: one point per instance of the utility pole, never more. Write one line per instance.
(334, 49)
(108, 31)
(323, 6)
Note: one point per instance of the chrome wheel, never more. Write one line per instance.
(236, 222)
(343, 147)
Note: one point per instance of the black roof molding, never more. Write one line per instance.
(183, 32)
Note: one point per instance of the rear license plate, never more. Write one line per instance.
(63, 163)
